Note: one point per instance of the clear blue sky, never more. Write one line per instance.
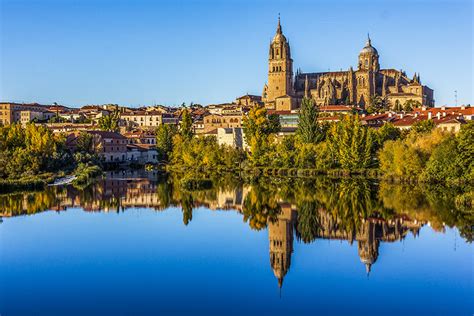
(143, 52)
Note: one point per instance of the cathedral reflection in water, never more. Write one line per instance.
(119, 191)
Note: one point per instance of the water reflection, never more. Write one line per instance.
(353, 210)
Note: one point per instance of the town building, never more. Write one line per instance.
(23, 113)
(249, 100)
(142, 119)
(231, 136)
(446, 122)
(27, 116)
(142, 154)
(110, 146)
(225, 120)
(141, 137)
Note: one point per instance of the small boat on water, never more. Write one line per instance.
(63, 180)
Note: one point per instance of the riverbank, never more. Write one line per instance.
(31, 183)
(82, 176)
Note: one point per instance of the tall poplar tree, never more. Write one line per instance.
(186, 126)
(351, 143)
(309, 130)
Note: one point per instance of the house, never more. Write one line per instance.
(70, 127)
(142, 119)
(377, 120)
(27, 116)
(442, 120)
(231, 136)
(141, 137)
(111, 146)
(228, 120)
(331, 110)
(249, 100)
(142, 154)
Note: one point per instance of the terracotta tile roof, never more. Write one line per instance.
(211, 132)
(106, 134)
(382, 116)
(409, 120)
(458, 109)
(140, 147)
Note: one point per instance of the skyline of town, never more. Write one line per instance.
(218, 67)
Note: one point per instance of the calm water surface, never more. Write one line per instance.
(137, 244)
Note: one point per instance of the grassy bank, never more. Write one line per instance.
(30, 183)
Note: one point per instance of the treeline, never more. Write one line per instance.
(184, 151)
(423, 153)
(31, 150)
(32, 156)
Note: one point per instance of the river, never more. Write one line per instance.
(136, 243)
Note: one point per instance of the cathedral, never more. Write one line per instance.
(284, 90)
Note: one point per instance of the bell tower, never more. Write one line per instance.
(369, 57)
(280, 68)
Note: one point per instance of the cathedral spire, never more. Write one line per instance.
(279, 31)
(367, 269)
(369, 41)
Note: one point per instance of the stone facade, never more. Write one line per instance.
(228, 120)
(352, 87)
(19, 113)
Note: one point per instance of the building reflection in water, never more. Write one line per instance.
(119, 191)
(368, 234)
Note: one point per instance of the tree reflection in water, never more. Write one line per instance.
(354, 209)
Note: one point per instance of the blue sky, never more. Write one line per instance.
(167, 52)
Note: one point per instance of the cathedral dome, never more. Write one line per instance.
(369, 49)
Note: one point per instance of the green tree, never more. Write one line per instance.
(308, 225)
(85, 143)
(443, 163)
(424, 126)
(466, 150)
(351, 143)
(411, 104)
(186, 125)
(164, 140)
(258, 127)
(375, 104)
(31, 150)
(309, 130)
(257, 123)
(110, 122)
(387, 132)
